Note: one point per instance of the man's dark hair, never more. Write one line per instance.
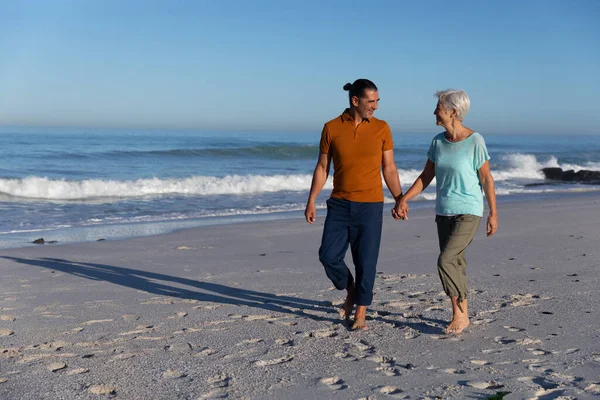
(358, 88)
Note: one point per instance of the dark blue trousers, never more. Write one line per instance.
(357, 225)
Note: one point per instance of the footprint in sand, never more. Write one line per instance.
(491, 351)
(539, 352)
(249, 341)
(410, 333)
(593, 388)
(102, 389)
(124, 356)
(77, 371)
(403, 305)
(179, 347)
(503, 340)
(53, 346)
(214, 394)
(323, 333)
(528, 341)
(480, 362)
(334, 383)
(388, 371)
(362, 346)
(345, 356)
(484, 384)
(454, 371)
(205, 352)
(180, 314)
(513, 328)
(274, 361)
(138, 330)
(483, 321)
(221, 380)
(392, 391)
(285, 342)
(173, 374)
(382, 359)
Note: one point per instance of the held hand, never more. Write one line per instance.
(310, 213)
(492, 225)
(400, 210)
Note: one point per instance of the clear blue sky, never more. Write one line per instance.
(528, 66)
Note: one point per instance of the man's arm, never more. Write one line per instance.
(390, 174)
(318, 181)
(485, 177)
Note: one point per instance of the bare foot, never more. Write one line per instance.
(460, 316)
(346, 310)
(457, 326)
(359, 324)
(359, 318)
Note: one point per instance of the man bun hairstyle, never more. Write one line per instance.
(358, 88)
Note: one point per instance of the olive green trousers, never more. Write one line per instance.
(455, 233)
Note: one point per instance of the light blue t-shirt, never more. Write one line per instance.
(456, 165)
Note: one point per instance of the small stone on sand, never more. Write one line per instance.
(57, 366)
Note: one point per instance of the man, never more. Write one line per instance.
(361, 148)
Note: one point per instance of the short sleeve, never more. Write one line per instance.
(481, 154)
(325, 140)
(431, 151)
(388, 142)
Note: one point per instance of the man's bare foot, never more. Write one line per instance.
(359, 318)
(346, 310)
(457, 326)
(460, 316)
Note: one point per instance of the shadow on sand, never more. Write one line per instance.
(173, 286)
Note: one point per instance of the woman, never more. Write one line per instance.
(458, 158)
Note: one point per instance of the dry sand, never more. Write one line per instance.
(245, 312)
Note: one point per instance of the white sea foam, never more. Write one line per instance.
(518, 167)
(527, 166)
(43, 188)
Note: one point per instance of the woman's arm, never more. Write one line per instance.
(487, 182)
(417, 187)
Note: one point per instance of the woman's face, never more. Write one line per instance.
(443, 117)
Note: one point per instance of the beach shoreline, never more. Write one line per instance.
(245, 311)
(125, 231)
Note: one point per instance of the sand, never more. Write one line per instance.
(245, 311)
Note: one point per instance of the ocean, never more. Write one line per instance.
(75, 185)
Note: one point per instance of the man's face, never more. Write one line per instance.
(367, 104)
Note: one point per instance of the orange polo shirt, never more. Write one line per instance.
(357, 153)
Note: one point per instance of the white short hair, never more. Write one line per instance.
(452, 99)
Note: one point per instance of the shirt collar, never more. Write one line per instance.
(347, 117)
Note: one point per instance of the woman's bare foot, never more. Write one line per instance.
(457, 326)
(359, 318)
(346, 310)
(460, 316)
